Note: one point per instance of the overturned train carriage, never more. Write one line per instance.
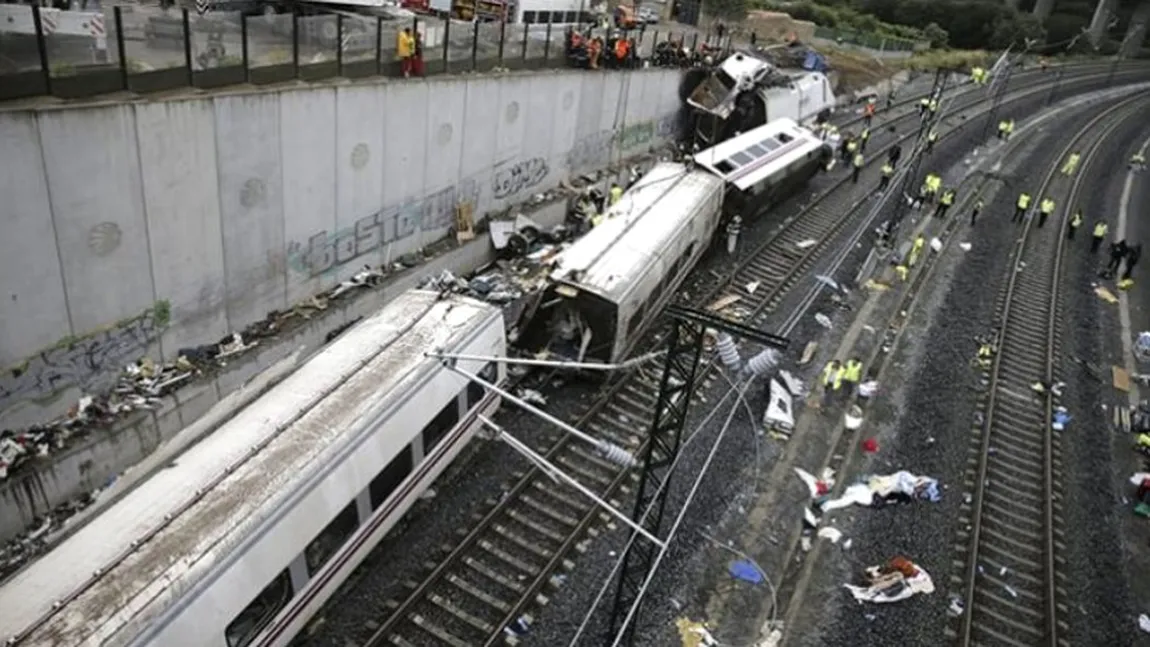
(242, 538)
(745, 92)
(620, 275)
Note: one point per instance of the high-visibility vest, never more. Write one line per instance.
(616, 193)
(1100, 229)
(976, 74)
(978, 205)
(1023, 201)
(1047, 206)
(1076, 221)
(1010, 126)
(832, 375)
(865, 135)
(918, 243)
(924, 102)
(933, 105)
(948, 198)
(935, 182)
(1003, 126)
(933, 136)
(853, 372)
(1138, 158)
(859, 161)
(887, 170)
(852, 145)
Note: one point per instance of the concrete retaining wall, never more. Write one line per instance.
(223, 208)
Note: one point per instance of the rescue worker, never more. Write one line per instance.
(915, 250)
(832, 380)
(1117, 253)
(1132, 256)
(1002, 127)
(1044, 210)
(851, 148)
(868, 112)
(1071, 164)
(858, 165)
(1137, 162)
(923, 106)
(616, 193)
(1009, 128)
(985, 355)
(890, 100)
(1100, 229)
(1021, 206)
(976, 75)
(902, 272)
(944, 203)
(733, 229)
(1075, 223)
(864, 136)
(887, 174)
(852, 375)
(934, 185)
(933, 106)
(894, 154)
(931, 139)
(975, 211)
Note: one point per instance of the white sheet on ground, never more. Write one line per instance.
(780, 409)
(895, 589)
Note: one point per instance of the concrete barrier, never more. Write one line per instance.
(207, 213)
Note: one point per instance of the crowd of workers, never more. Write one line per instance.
(619, 50)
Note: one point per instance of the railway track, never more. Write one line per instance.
(500, 568)
(1011, 580)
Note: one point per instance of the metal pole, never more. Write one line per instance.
(118, 18)
(339, 44)
(474, 42)
(244, 47)
(554, 471)
(42, 49)
(446, 44)
(295, 42)
(188, 44)
(613, 452)
(502, 35)
(526, 31)
(631, 363)
(379, 46)
(547, 44)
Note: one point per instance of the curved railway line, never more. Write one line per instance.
(500, 568)
(1011, 580)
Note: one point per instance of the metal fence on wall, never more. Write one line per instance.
(142, 48)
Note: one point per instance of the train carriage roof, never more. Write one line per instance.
(273, 446)
(755, 155)
(611, 256)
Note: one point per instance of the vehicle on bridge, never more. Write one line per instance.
(244, 536)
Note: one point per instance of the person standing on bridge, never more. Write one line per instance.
(1075, 223)
(1021, 206)
(1071, 164)
(405, 51)
(858, 165)
(1044, 211)
(1100, 229)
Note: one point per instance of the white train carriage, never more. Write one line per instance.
(617, 278)
(239, 541)
(765, 165)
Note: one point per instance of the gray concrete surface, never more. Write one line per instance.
(227, 207)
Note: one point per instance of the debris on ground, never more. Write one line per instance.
(1105, 294)
(820, 486)
(894, 581)
(746, 571)
(870, 445)
(833, 534)
(879, 490)
(1144, 623)
(853, 418)
(695, 634)
(1061, 419)
(956, 608)
(810, 242)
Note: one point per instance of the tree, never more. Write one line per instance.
(937, 36)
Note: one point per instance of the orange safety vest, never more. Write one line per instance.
(621, 49)
(869, 109)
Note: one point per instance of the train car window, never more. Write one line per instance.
(529, 17)
(390, 477)
(241, 631)
(474, 391)
(439, 426)
(725, 167)
(742, 158)
(784, 138)
(328, 541)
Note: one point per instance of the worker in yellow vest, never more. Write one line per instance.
(1071, 164)
(887, 174)
(858, 166)
(864, 137)
(616, 193)
(1100, 229)
(915, 250)
(976, 75)
(944, 203)
(975, 211)
(1044, 210)
(1075, 223)
(931, 140)
(1002, 128)
(1020, 207)
(852, 375)
(832, 379)
(923, 105)
(1009, 128)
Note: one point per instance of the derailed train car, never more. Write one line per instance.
(611, 284)
(745, 92)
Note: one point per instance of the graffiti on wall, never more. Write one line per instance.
(325, 251)
(518, 177)
(90, 362)
(597, 149)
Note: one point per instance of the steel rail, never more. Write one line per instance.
(1019, 474)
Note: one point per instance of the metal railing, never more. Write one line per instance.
(149, 48)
